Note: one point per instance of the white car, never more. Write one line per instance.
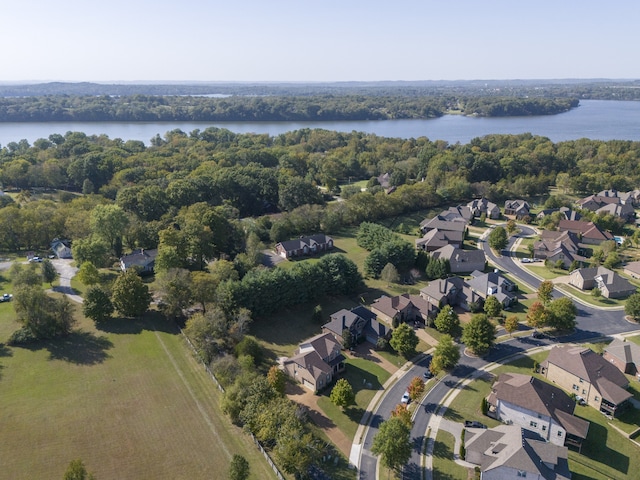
(405, 397)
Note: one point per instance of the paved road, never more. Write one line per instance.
(591, 323)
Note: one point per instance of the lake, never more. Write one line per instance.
(595, 119)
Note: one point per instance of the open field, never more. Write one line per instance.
(129, 400)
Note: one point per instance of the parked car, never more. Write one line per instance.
(580, 400)
(36, 259)
(470, 424)
(427, 374)
(537, 334)
(406, 398)
(526, 260)
(6, 297)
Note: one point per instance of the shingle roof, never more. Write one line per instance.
(628, 352)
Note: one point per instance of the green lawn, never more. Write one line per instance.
(366, 378)
(130, 401)
(444, 467)
(587, 297)
(544, 272)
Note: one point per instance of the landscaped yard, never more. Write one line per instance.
(129, 400)
(444, 467)
(366, 378)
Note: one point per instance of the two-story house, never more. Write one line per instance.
(583, 372)
(539, 406)
(361, 322)
(316, 362)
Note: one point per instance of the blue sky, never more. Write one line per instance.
(325, 40)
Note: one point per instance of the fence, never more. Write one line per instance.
(221, 388)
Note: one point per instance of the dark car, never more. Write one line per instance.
(427, 374)
(470, 424)
(537, 334)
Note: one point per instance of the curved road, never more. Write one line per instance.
(591, 323)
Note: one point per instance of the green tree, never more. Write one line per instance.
(402, 412)
(277, 379)
(77, 471)
(109, 223)
(91, 249)
(511, 227)
(511, 324)
(97, 304)
(49, 272)
(342, 393)
(239, 468)
(445, 356)
(41, 316)
(498, 238)
(404, 340)
(390, 274)
(88, 274)
(632, 306)
(130, 295)
(545, 291)
(448, 322)
(492, 306)
(393, 443)
(563, 314)
(175, 289)
(479, 334)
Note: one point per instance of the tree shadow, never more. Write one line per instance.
(5, 351)
(79, 347)
(412, 471)
(152, 320)
(596, 449)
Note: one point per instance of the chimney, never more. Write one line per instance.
(344, 322)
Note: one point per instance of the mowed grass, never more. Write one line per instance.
(130, 401)
(444, 467)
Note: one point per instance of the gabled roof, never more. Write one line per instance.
(588, 365)
(442, 224)
(439, 238)
(139, 258)
(610, 279)
(517, 205)
(440, 288)
(299, 243)
(540, 397)
(516, 448)
(459, 256)
(628, 352)
(312, 362)
(491, 283)
(390, 306)
(461, 213)
(587, 229)
(350, 317)
(324, 344)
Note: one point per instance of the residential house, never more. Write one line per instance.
(61, 248)
(554, 246)
(624, 355)
(461, 261)
(452, 291)
(512, 452)
(441, 223)
(632, 269)
(402, 308)
(304, 246)
(566, 213)
(587, 232)
(316, 362)
(461, 213)
(361, 322)
(622, 210)
(493, 283)
(583, 372)
(539, 406)
(482, 205)
(611, 284)
(594, 202)
(436, 238)
(142, 260)
(630, 197)
(517, 208)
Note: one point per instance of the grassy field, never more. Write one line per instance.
(129, 400)
(444, 468)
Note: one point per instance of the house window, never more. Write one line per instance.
(521, 474)
(533, 424)
(597, 399)
(559, 433)
(576, 388)
(544, 428)
(581, 381)
(584, 392)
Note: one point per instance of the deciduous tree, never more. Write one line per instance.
(49, 272)
(404, 340)
(479, 334)
(498, 238)
(97, 304)
(130, 295)
(342, 393)
(446, 355)
(448, 322)
(277, 379)
(492, 306)
(416, 388)
(632, 307)
(563, 314)
(239, 468)
(393, 443)
(545, 291)
(511, 324)
(77, 471)
(538, 315)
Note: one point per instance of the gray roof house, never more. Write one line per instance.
(539, 406)
(452, 291)
(142, 260)
(436, 238)
(316, 362)
(517, 208)
(482, 205)
(461, 261)
(493, 283)
(304, 246)
(512, 452)
(361, 322)
(461, 213)
(61, 248)
(611, 284)
(624, 355)
(403, 308)
(441, 223)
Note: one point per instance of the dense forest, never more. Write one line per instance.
(150, 108)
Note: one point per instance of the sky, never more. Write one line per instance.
(319, 41)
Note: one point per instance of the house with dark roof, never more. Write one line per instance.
(303, 246)
(517, 208)
(440, 223)
(583, 372)
(594, 202)
(621, 210)
(461, 213)
(402, 308)
(316, 362)
(461, 261)
(361, 322)
(142, 260)
(61, 248)
(539, 406)
(610, 284)
(436, 238)
(479, 206)
(511, 452)
(495, 284)
(587, 232)
(554, 246)
(624, 355)
(565, 213)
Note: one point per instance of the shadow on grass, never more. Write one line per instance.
(596, 449)
(5, 351)
(360, 379)
(81, 348)
(152, 320)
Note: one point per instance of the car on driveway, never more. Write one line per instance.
(36, 260)
(470, 424)
(406, 398)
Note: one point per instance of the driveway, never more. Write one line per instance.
(66, 272)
